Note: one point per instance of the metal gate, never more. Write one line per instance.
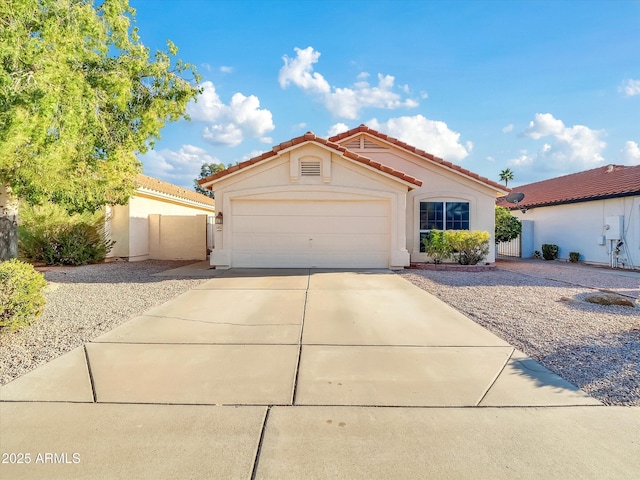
(512, 248)
(211, 225)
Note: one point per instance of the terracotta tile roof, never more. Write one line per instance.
(311, 137)
(603, 182)
(419, 152)
(170, 189)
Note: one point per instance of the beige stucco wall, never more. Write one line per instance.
(130, 227)
(177, 237)
(438, 184)
(118, 229)
(579, 227)
(341, 179)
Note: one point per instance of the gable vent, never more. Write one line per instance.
(370, 144)
(309, 169)
(353, 144)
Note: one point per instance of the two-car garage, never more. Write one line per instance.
(310, 233)
(310, 204)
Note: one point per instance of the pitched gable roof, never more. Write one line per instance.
(610, 181)
(311, 137)
(156, 185)
(421, 153)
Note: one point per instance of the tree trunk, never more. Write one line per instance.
(8, 223)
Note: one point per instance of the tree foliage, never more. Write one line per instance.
(206, 170)
(508, 227)
(80, 95)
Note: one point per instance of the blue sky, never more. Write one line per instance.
(543, 88)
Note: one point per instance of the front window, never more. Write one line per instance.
(442, 216)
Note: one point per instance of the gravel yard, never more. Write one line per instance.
(83, 303)
(536, 306)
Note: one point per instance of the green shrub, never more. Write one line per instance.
(469, 246)
(508, 227)
(49, 234)
(21, 298)
(574, 257)
(436, 246)
(549, 251)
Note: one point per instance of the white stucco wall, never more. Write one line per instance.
(579, 227)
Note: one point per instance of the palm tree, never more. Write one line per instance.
(506, 175)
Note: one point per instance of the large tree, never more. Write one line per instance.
(206, 170)
(80, 95)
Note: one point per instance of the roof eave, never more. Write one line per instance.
(573, 200)
(419, 153)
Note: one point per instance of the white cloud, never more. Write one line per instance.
(570, 148)
(336, 129)
(299, 71)
(630, 88)
(491, 159)
(523, 160)
(227, 135)
(230, 124)
(180, 167)
(251, 154)
(345, 102)
(508, 128)
(544, 125)
(225, 69)
(432, 136)
(631, 153)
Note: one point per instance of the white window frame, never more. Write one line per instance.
(444, 203)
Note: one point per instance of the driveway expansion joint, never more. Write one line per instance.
(495, 379)
(93, 385)
(254, 470)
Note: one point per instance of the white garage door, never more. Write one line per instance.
(334, 234)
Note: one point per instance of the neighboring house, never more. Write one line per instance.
(589, 212)
(161, 221)
(358, 199)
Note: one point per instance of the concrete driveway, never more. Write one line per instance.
(276, 374)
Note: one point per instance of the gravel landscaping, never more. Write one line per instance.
(83, 303)
(539, 308)
(536, 306)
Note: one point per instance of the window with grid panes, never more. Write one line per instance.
(442, 216)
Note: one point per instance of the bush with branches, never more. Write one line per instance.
(47, 233)
(21, 294)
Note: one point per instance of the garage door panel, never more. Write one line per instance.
(349, 242)
(308, 208)
(310, 234)
(317, 224)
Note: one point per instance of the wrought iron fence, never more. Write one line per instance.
(510, 249)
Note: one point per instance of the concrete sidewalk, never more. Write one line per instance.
(307, 374)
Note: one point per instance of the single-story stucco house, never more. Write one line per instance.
(595, 213)
(161, 221)
(358, 199)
